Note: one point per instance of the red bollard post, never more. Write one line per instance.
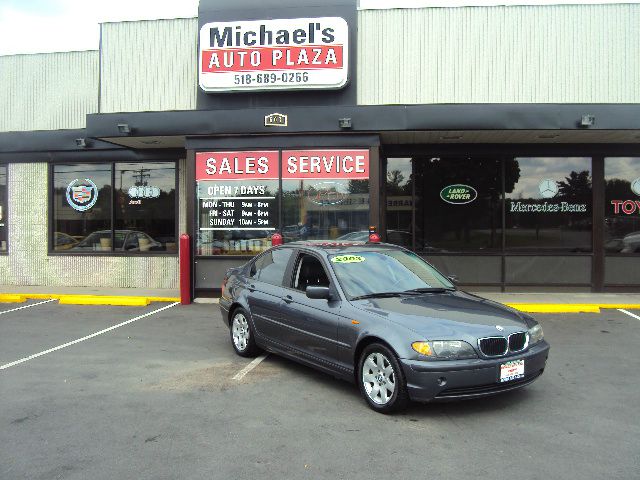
(374, 237)
(185, 269)
(276, 239)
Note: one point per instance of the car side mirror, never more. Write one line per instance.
(318, 293)
(453, 279)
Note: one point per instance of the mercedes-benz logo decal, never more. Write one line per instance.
(548, 188)
(635, 186)
(500, 328)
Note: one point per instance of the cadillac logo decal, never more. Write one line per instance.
(82, 195)
(548, 188)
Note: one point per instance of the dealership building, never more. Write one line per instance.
(501, 143)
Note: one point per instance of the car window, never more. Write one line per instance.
(365, 273)
(131, 242)
(271, 265)
(253, 270)
(309, 271)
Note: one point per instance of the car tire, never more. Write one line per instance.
(381, 379)
(241, 332)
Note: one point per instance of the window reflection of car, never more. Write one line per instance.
(125, 240)
(64, 241)
(631, 243)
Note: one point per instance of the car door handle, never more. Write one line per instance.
(287, 298)
(251, 288)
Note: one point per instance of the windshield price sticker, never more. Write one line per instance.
(347, 259)
(513, 370)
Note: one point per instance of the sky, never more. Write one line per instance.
(39, 26)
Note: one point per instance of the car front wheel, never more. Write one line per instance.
(381, 379)
(242, 335)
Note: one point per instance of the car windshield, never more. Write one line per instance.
(363, 274)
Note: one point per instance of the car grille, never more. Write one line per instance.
(499, 346)
(517, 341)
(493, 346)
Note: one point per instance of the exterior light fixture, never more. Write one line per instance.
(81, 143)
(124, 128)
(345, 123)
(587, 120)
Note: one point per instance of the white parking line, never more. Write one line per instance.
(254, 363)
(60, 347)
(629, 313)
(26, 306)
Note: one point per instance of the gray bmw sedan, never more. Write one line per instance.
(381, 316)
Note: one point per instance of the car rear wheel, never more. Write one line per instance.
(242, 335)
(381, 380)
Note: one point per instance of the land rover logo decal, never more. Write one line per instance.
(458, 194)
(82, 195)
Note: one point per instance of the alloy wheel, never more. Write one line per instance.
(240, 332)
(378, 378)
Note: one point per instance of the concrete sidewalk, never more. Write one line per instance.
(560, 302)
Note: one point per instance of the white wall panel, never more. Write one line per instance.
(149, 65)
(517, 54)
(47, 91)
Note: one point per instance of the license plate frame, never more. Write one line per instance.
(510, 371)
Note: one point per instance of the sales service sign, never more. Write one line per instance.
(285, 54)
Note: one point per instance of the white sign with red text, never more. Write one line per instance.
(256, 165)
(325, 164)
(285, 54)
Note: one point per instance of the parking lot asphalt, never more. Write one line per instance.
(156, 399)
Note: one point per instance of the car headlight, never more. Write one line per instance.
(445, 349)
(535, 334)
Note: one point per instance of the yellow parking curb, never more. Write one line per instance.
(569, 307)
(103, 300)
(11, 298)
(116, 300)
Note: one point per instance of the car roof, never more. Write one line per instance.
(330, 247)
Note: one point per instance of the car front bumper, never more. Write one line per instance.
(440, 381)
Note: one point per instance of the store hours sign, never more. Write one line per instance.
(285, 54)
(237, 190)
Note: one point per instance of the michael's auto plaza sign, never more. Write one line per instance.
(287, 54)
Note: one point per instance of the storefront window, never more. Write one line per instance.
(237, 194)
(139, 219)
(145, 215)
(458, 204)
(399, 208)
(82, 207)
(622, 205)
(548, 204)
(325, 195)
(4, 213)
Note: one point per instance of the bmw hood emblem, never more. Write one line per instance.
(500, 329)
